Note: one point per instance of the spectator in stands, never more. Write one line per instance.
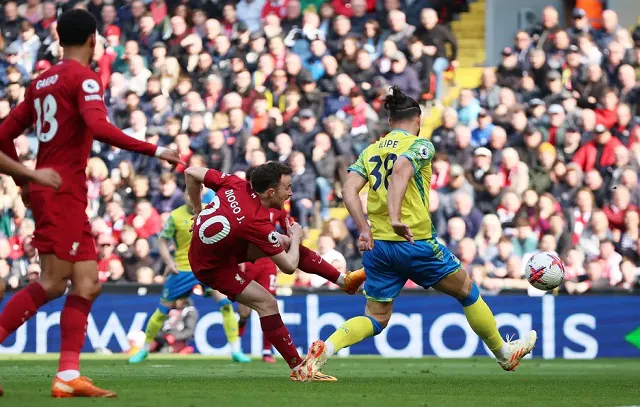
(169, 197)
(456, 231)
(471, 215)
(509, 72)
(463, 150)
(403, 76)
(106, 246)
(468, 108)
(597, 230)
(602, 147)
(488, 93)
(434, 37)
(140, 259)
(579, 25)
(481, 167)
(480, 135)
(443, 137)
(303, 187)
(457, 185)
(618, 208)
(326, 250)
(544, 33)
(11, 22)
(524, 242)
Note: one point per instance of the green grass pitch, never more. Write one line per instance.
(195, 381)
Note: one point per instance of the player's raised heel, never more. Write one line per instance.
(139, 356)
(517, 350)
(80, 387)
(268, 359)
(353, 280)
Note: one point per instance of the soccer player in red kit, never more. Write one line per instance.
(66, 105)
(235, 228)
(265, 272)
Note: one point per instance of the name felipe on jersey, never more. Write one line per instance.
(43, 83)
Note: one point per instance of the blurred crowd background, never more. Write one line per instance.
(541, 153)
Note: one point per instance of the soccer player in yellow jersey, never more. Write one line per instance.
(400, 244)
(181, 281)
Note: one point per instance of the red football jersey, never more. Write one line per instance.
(65, 106)
(279, 218)
(225, 227)
(62, 104)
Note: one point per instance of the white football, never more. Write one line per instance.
(545, 271)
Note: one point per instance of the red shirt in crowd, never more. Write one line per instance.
(586, 156)
(616, 216)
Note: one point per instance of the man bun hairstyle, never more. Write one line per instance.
(401, 106)
(75, 27)
(267, 175)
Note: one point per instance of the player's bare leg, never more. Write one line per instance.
(73, 322)
(259, 299)
(482, 321)
(230, 324)
(310, 262)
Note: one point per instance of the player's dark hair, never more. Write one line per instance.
(75, 27)
(267, 175)
(400, 106)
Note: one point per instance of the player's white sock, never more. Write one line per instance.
(340, 281)
(329, 349)
(146, 347)
(236, 346)
(68, 375)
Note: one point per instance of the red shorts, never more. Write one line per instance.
(228, 279)
(62, 227)
(264, 272)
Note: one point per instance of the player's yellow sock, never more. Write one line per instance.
(482, 320)
(230, 324)
(154, 325)
(352, 331)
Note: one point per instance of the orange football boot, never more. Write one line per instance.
(353, 280)
(79, 387)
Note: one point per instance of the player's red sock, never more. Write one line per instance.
(266, 345)
(73, 324)
(22, 306)
(311, 262)
(274, 330)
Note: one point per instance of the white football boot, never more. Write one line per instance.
(516, 350)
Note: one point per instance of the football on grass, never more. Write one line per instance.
(545, 271)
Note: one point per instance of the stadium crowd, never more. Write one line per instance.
(543, 155)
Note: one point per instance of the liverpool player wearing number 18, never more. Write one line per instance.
(66, 105)
(235, 228)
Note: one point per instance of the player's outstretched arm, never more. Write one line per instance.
(194, 178)
(102, 130)
(403, 171)
(351, 195)
(166, 236)
(288, 261)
